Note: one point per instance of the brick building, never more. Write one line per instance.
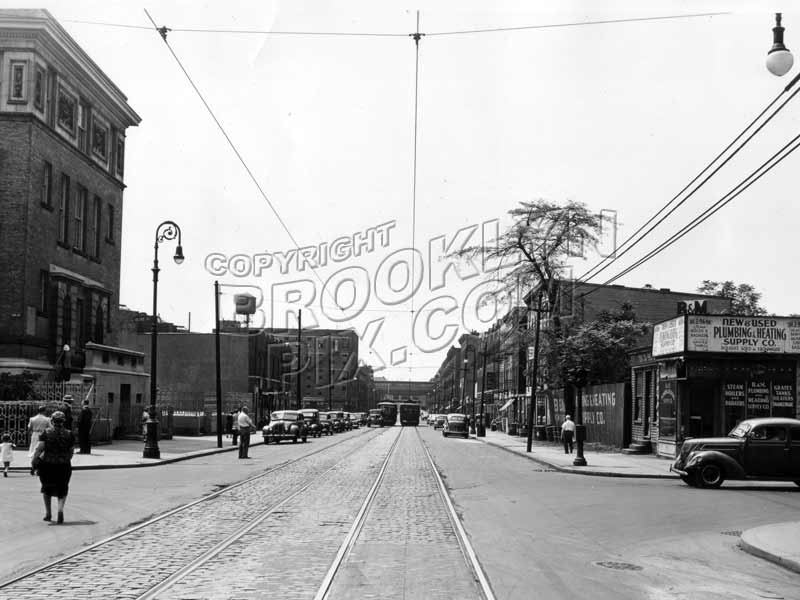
(62, 163)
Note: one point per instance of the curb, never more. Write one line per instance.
(579, 470)
(786, 563)
(157, 463)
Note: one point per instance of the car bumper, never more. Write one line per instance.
(680, 472)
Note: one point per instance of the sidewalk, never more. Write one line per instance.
(123, 454)
(609, 464)
(778, 542)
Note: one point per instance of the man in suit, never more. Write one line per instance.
(85, 428)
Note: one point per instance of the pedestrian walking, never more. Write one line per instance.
(246, 425)
(67, 410)
(53, 460)
(567, 433)
(85, 428)
(36, 425)
(6, 452)
(235, 427)
(145, 419)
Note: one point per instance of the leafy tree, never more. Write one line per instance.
(600, 348)
(745, 297)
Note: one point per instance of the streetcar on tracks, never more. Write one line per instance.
(409, 414)
(388, 413)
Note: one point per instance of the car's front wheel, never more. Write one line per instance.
(710, 476)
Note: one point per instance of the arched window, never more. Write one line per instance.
(99, 321)
(66, 321)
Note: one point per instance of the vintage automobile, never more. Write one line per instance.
(336, 419)
(375, 418)
(455, 424)
(756, 449)
(344, 417)
(325, 424)
(439, 421)
(285, 425)
(311, 418)
(355, 420)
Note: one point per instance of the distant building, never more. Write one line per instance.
(418, 392)
(62, 143)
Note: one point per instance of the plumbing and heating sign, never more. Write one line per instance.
(728, 334)
(747, 335)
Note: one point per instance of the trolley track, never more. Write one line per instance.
(237, 496)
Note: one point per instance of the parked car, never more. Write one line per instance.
(456, 424)
(311, 418)
(375, 418)
(325, 424)
(339, 424)
(756, 449)
(347, 424)
(285, 425)
(439, 421)
(355, 420)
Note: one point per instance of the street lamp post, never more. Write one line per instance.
(168, 230)
(580, 428)
(482, 423)
(472, 409)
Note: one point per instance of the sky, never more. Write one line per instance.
(619, 116)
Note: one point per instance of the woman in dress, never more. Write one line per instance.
(36, 425)
(53, 460)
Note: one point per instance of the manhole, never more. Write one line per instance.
(618, 566)
(733, 532)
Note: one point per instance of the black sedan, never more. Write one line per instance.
(456, 424)
(756, 449)
(285, 425)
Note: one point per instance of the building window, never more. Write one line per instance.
(38, 89)
(67, 108)
(99, 140)
(66, 321)
(120, 160)
(121, 360)
(17, 89)
(83, 119)
(80, 219)
(93, 228)
(138, 398)
(105, 356)
(63, 210)
(44, 290)
(110, 224)
(80, 315)
(99, 322)
(111, 397)
(50, 98)
(47, 185)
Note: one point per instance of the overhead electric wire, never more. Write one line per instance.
(619, 253)
(236, 151)
(417, 37)
(743, 185)
(393, 34)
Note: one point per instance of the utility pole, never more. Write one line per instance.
(482, 423)
(299, 357)
(219, 380)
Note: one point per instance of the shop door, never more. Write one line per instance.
(703, 398)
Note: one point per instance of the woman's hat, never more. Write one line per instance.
(58, 416)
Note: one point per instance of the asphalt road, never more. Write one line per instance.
(544, 534)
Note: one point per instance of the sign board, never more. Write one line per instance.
(668, 337)
(745, 335)
(692, 307)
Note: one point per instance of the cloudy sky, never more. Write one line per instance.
(619, 116)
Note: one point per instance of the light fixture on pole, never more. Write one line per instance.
(779, 59)
(168, 230)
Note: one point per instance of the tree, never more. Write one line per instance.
(745, 298)
(600, 347)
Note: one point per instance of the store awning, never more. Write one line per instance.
(507, 404)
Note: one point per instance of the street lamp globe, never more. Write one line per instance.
(779, 59)
(178, 258)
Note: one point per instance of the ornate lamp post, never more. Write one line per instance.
(466, 362)
(168, 230)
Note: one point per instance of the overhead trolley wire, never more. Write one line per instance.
(743, 185)
(162, 31)
(617, 254)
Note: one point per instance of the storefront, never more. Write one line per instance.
(717, 370)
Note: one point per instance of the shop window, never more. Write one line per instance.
(16, 92)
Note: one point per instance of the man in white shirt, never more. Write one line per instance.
(567, 433)
(246, 425)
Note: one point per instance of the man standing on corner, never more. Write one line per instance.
(85, 428)
(246, 425)
(567, 433)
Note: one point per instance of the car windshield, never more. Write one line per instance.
(455, 419)
(740, 430)
(284, 415)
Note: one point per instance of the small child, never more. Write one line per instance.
(6, 452)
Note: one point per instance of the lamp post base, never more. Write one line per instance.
(151, 449)
(579, 461)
